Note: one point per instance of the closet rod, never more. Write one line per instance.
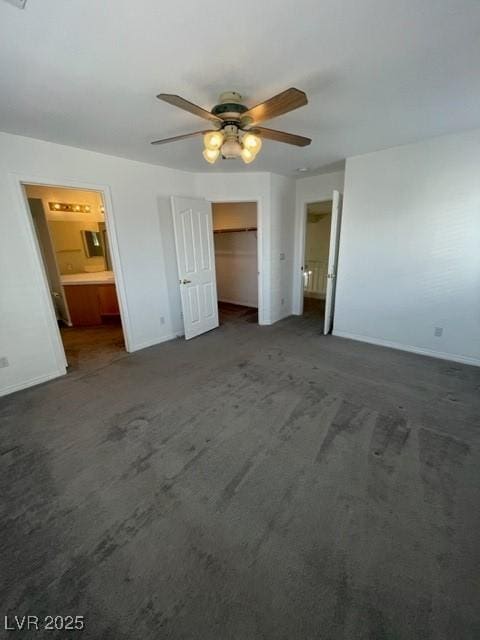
(234, 230)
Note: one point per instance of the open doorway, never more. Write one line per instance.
(322, 224)
(236, 260)
(317, 243)
(73, 244)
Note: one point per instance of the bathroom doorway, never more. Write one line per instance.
(71, 233)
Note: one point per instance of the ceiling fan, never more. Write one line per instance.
(236, 134)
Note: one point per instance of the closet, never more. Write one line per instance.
(236, 260)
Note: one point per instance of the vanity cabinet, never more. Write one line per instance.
(91, 304)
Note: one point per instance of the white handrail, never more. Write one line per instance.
(315, 277)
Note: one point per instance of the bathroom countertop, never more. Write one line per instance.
(98, 277)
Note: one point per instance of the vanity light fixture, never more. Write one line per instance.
(73, 208)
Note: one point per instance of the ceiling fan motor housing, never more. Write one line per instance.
(231, 148)
(230, 107)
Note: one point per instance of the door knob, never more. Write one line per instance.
(186, 281)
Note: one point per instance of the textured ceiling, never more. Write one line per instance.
(377, 73)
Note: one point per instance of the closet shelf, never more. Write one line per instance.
(235, 230)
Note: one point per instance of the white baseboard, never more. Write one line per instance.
(32, 382)
(152, 343)
(406, 347)
(57, 374)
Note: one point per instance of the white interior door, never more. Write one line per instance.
(192, 223)
(49, 260)
(332, 261)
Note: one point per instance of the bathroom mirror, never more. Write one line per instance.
(92, 242)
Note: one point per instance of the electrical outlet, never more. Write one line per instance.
(438, 332)
(282, 256)
(283, 301)
(162, 320)
(4, 362)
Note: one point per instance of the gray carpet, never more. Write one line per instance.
(253, 483)
(90, 348)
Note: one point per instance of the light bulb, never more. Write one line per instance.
(247, 155)
(211, 155)
(252, 142)
(56, 206)
(213, 140)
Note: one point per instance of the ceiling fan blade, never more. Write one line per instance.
(182, 137)
(282, 103)
(181, 103)
(282, 136)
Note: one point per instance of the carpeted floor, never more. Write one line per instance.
(228, 312)
(253, 483)
(90, 348)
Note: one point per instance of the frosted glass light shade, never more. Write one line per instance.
(231, 148)
(211, 155)
(247, 155)
(252, 142)
(213, 140)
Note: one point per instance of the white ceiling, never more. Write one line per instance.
(377, 73)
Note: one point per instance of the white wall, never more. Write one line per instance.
(236, 261)
(143, 230)
(234, 215)
(236, 267)
(282, 246)
(410, 248)
(309, 189)
(317, 237)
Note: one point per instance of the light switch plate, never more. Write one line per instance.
(4, 362)
(282, 256)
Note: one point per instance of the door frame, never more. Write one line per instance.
(262, 315)
(300, 263)
(51, 247)
(18, 182)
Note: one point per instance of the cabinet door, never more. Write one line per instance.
(107, 299)
(83, 305)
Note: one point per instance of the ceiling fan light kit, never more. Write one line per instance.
(238, 135)
(213, 140)
(229, 143)
(211, 155)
